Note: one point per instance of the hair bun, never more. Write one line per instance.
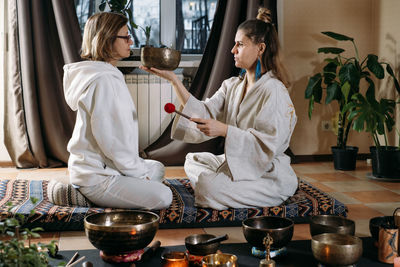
(264, 14)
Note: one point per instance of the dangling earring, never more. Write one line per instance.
(242, 73)
(258, 69)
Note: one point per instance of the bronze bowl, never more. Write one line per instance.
(320, 224)
(336, 249)
(120, 232)
(280, 229)
(191, 244)
(160, 58)
(375, 223)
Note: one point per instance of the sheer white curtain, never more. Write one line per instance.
(4, 157)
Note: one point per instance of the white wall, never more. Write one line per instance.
(3, 81)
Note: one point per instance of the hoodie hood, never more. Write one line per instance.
(78, 77)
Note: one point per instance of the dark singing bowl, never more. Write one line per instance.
(160, 58)
(375, 223)
(191, 244)
(336, 249)
(280, 229)
(331, 224)
(120, 232)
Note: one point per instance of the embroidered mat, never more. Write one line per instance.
(307, 201)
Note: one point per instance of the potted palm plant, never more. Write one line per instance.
(378, 118)
(339, 80)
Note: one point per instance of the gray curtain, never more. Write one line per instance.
(38, 123)
(216, 65)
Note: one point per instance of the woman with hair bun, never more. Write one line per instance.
(256, 116)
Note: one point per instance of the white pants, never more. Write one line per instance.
(215, 188)
(201, 162)
(130, 192)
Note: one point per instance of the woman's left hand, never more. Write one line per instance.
(211, 127)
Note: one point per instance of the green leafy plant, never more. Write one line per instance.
(147, 32)
(120, 6)
(14, 252)
(340, 80)
(372, 115)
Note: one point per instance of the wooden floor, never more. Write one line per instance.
(365, 198)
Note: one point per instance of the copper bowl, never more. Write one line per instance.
(280, 229)
(160, 58)
(336, 249)
(320, 224)
(121, 232)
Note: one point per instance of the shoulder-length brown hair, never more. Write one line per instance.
(99, 35)
(261, 30)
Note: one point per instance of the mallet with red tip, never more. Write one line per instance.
(169, 108)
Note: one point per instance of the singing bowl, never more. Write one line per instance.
(220, 259)
(375, 223)
(120, 232)
(280, 229)
(160, 58)
(320, 224)
(336, 249)
(191, 244)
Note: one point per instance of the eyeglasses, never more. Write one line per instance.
(127, 38)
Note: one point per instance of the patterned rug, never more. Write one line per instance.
(307, 201)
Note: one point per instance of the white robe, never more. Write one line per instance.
(254, 171)
(104, 157)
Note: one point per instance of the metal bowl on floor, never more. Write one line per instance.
(336, 249)
(320, 224)
(193, 246)
(375, 223)
(280, 229)
(121, 232)
(160, 58)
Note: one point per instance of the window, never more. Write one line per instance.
(181, 24)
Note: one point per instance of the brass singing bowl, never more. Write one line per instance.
(193, 246)
(280, 229)
(220, 259)
(320, 224)
(160, 58)
(120, 232)
(336, 249)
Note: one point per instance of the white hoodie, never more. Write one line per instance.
(105, 137)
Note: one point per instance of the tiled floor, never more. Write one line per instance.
(364, 197)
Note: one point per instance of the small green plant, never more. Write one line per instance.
(14, 252)
(147, 31)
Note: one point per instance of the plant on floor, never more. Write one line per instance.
(340, 80)
(13, 251)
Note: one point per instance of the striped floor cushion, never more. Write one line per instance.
(307, 201)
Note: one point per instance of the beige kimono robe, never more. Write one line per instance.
(254, 171)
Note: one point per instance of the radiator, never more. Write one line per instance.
(150, 94)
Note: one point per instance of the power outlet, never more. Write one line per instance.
(326, 126)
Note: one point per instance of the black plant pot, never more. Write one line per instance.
(344, 159)
(385, 162)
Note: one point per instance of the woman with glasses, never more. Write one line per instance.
(256, 116)
(104, 163)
